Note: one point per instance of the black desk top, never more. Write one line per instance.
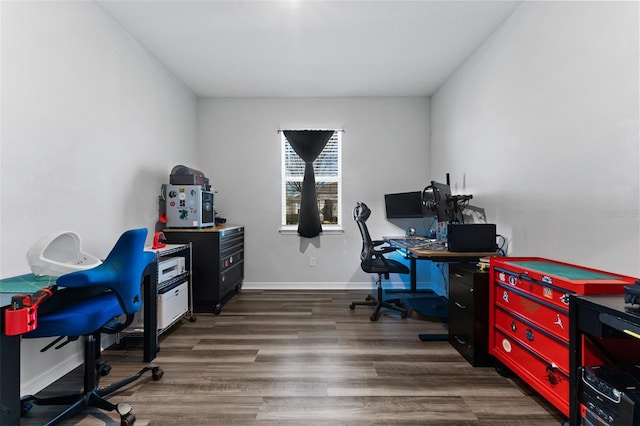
(612, 303)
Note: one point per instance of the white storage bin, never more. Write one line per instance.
(172, 303)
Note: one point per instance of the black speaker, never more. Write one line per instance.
(468, 237)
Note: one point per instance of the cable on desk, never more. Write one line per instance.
(501, 247)
(428, 229)
(440, 267)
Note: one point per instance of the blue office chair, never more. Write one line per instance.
(88, 303)
(373, 261)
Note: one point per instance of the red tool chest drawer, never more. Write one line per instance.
(541, 374)
(529, 318)
(551, 348)
(552, 319)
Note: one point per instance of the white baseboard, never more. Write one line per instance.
(57, 363)
(326, 285)
(35, 384)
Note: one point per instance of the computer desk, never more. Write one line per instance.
(440, 256)
(10, 345)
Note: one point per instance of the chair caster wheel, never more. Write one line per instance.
(502, 369)
(25, 407)
(105, 369)
(127, 420)
(368, 298)
(403, 314)
(352, 306)
(373, 318)
(157, 373)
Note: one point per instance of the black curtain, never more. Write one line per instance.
(308, 144)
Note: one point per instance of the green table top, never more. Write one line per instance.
(564, 271)
(27, 284)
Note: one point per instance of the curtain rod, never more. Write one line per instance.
(335, 130)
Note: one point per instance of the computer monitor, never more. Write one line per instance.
(404, 205)
(437, 198)
(445, 208)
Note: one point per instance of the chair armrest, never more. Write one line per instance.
(385, 249)
(381, 250)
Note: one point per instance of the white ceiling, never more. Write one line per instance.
(310, 48)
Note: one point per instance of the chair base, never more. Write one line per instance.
(92, 395)
(379, 303)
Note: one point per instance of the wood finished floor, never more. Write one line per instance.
(305, 358)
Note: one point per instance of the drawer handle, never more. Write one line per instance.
(459, 340)
(458, 275)
(553, 377)
(460, 305)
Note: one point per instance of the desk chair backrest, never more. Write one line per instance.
(360, 214)
(120, 271)
(371, 260)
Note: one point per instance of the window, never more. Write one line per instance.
(328, 175)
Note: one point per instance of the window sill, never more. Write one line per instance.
(294, 231)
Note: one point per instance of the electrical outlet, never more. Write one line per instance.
(312, 261)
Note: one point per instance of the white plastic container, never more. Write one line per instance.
(172, 304)
(59, 254)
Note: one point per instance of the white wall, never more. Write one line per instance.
(541, 126)
(91, 126)
(385, 149)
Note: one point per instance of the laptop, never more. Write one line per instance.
(468, 237)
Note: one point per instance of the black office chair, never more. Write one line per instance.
(372, 261)
(86, 305)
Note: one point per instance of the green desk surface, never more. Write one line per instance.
(27, 283)
(564, 271)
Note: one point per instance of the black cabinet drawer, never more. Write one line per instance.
(460, 295)
(229, 260)
(218, 264)
(230, 277)
(465, 272)
(469, 312)
(230, 242)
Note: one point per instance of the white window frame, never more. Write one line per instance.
(326, 228)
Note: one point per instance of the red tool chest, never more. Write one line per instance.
(529, 318)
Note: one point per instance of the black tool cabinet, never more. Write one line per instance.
(218, 264)
(469, 312)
